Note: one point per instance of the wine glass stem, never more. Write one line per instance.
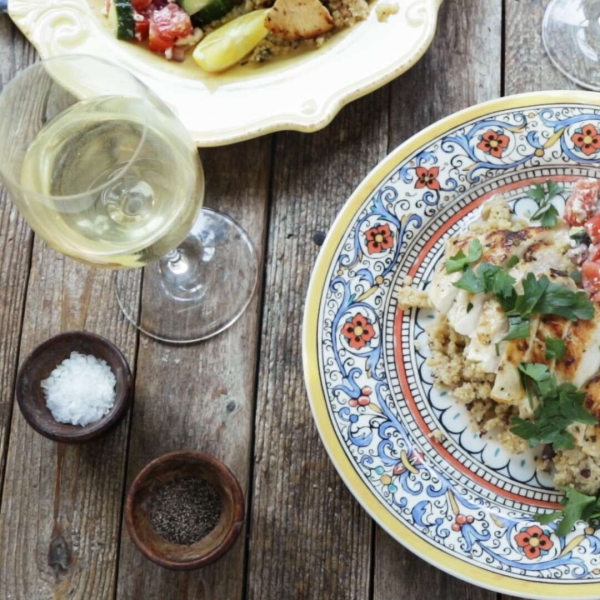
(181, 272)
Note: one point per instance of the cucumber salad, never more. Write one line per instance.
(224, 33)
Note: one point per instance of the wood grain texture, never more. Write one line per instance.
(15, 250)
(527, 67)
(61, 510)
(462, 68)
(308, 537)
(201, 397)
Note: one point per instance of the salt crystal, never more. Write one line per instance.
(81, 390)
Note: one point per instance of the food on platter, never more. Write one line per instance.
(224, 33)
(516, 332)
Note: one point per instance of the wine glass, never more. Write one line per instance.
(571, 34)
(105, 173)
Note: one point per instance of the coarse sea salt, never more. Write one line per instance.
(81, 390)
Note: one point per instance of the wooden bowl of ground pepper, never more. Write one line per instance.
(185, 510)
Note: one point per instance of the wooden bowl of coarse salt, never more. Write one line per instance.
(74, 387)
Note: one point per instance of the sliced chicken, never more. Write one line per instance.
(491, 329)
(298, 19)
(507, 386)
(465, 312)
(550, 327)
(582, 357)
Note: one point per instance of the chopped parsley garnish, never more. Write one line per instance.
(577, 507)
(576, 276)
(555, 349)
(518, 328)
(543, 194)
(559, 407)
(488, 278)
(540, 297)
(469, 307)
(581, 237)
(460, 260)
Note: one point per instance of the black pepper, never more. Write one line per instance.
(185, 510)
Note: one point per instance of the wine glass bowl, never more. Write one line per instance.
(104, 172)
(97, 165)
(571, 36)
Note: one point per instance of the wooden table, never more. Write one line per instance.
(240, 396)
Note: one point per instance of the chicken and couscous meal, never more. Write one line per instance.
(516, 333)
(225, 33)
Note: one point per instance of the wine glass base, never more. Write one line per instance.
(200, 289)
(571, 34)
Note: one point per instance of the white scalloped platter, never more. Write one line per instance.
(302, 93)
(406, 449)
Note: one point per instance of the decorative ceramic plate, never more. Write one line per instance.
(303, 92)
(407, 450)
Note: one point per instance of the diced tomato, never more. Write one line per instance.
(593, 253)
(172, 22)
(141, 5)
(592, 227)
(156, 41)
(590, 272)
(142, 28)
(583, 201)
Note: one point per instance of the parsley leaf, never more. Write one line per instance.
(576, 276)
(459, 261)
(559, 406)
(555, 349)
(543, 194)
(577, 507)
(550, 217)
(512, 261)
(470, 282)
(518, 328)
(559, 300)
(488, 278)
(581, 237)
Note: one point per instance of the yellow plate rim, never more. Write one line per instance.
(401, 533)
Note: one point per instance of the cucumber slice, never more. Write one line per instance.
(204, 12)
(229, 44)
(213, 11)
(191, 7)
(121, 18)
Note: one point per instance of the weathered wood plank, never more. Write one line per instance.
(527, 67)
(15, 250)
(62, 500)
(462, 68)
(201, 397)
(59, 503)
(308, 537)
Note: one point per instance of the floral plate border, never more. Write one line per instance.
(353, 326)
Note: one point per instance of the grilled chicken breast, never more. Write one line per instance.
(298, 19)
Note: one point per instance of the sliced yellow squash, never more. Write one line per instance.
(229, 44)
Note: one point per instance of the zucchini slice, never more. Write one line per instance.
(204, 12)
(121, 16)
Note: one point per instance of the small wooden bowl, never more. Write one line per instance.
(44, 359)
(174, 466)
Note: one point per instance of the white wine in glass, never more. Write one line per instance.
(105, 173)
